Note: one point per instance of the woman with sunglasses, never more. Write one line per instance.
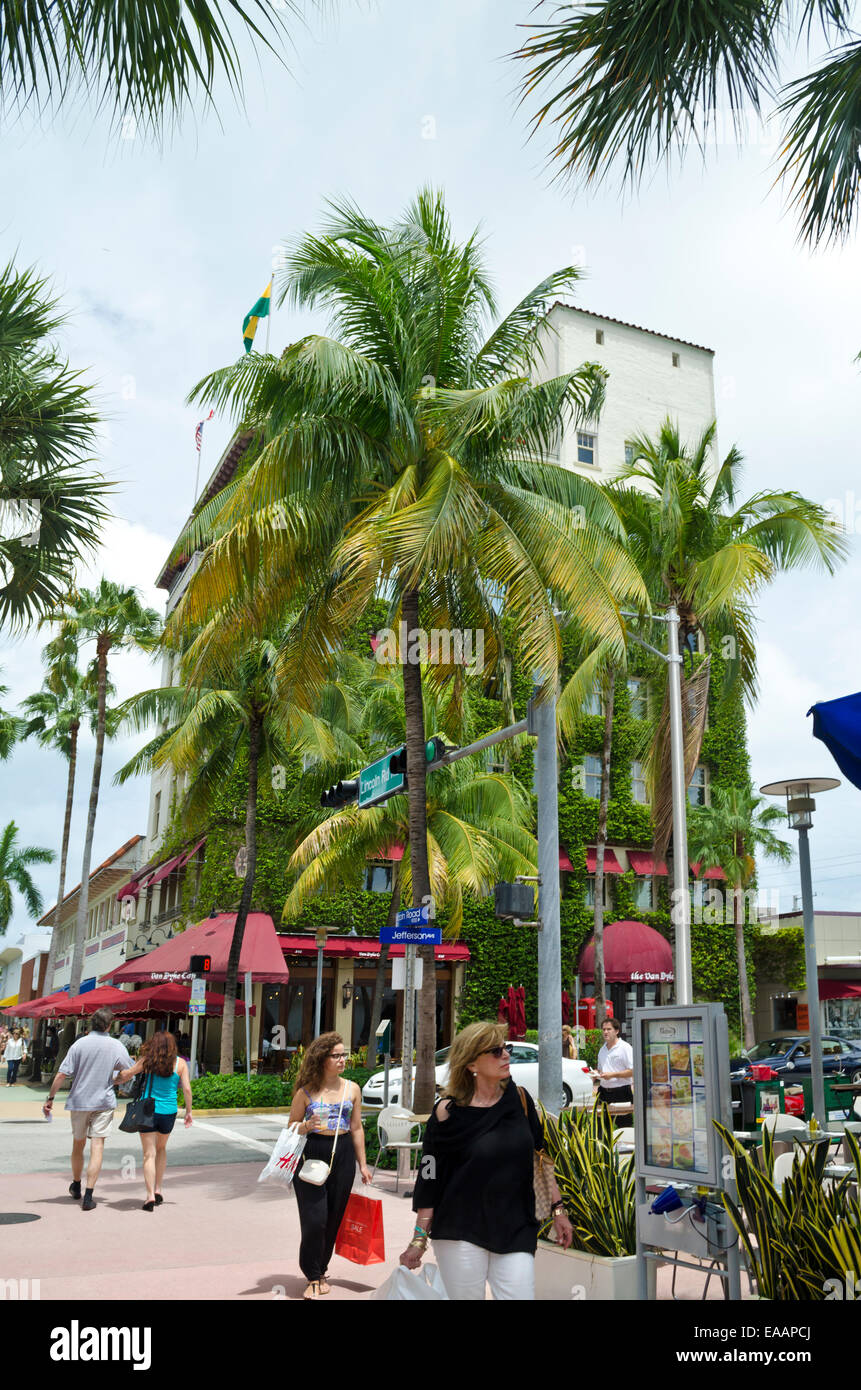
(326, 1108)
(475, 1192)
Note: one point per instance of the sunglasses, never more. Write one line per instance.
(501, 1051)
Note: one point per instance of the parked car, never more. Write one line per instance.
(792, 1054)
(576, 1082)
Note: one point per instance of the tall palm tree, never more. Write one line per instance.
(634, 83)
(51, 502)
(114, 617)
(138, 59)
(231, 711)
(10, 729)
(53, 716)
(14, 873)
(406, 455)
(726, 835)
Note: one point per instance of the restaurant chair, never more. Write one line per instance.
(782, 1128)
(394, 1130)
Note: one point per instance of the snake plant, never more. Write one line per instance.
(596, 1183)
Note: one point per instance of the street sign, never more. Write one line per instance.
(399, 973)
(411, 936)
(197, 1002)
(378, 782)
(414, 916)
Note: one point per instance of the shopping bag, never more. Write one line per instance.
(284, 1159)
(425, 1286)
(360, 1234)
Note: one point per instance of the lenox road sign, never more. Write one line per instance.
(377, 782)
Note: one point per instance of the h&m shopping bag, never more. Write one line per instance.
(360, 1234)
(284, 1159)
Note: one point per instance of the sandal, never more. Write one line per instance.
(313, 1289)
(158, 1199)
(325, 1287)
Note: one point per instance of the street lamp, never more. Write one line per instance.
(799, 809)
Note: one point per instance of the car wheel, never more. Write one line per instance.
(567, 1095)
(856, 1078)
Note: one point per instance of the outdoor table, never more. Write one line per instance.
(851, 1089)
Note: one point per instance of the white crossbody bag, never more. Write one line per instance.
(314, 1170)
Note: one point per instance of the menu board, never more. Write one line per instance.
(675, 1095)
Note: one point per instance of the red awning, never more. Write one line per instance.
(395, 852)
(565, 863)
(611, 863)
(37, 1008)
(261, 953)
(362, 946)
(190, 853)
(165, 869)
(839, 989)
(709, 873)
(633, 953)
(643, 863)
(147, 877)
(171, 998)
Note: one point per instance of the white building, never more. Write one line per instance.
(109, 932)
(650, 376)
(22, 969)
(780, 1008)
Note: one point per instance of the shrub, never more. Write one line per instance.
(592, 1046)
(224, 1092)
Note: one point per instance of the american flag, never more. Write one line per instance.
(198, 433)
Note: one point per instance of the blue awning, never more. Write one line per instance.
(838, 724)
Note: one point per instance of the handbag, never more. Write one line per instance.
(284, 1159)
(540, 1176)
(314, 1170)
(360, 1235)
(140, 1111)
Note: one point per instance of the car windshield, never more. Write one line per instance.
(441, 1056)
(773, 1047)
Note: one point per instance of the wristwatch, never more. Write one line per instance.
(557, 1206)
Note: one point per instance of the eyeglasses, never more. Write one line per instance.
(338, 1056)
(500, 1051)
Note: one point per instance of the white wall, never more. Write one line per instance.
(643, 386)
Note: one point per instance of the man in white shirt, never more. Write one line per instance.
(615, 1066)
(92, 1063)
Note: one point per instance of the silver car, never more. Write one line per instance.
(576, 1081)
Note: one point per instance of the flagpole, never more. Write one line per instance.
(269, 317)
(197, 475)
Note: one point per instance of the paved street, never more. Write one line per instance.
(219, 1235)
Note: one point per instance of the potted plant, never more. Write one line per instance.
(801, 1236)
(596, 1183)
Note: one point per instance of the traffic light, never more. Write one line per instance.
(342, 794)
(435, 750)
(398, 762)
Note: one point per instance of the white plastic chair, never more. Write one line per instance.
(782, 1168)
(394, 1131)
(857, 1106)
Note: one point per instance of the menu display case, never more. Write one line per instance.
(677, 1091)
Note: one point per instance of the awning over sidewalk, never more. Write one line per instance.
(633, 952)
(362, 947)
(839, 989)
(261, 955)
(154, 1001)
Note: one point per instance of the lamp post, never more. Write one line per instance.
(799, 809)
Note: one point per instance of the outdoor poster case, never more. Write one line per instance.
(677, 1092)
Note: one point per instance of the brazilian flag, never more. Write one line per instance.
(253, 317)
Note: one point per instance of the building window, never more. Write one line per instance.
(156, 814)
(593, 704)
(591, 775)
(638, 783)
(638, 694)
(677, 361)
(698, 789)
(590, 890)
(643, 893)
(599, 336)
(587, 445)
(378, 878)
(629, 455)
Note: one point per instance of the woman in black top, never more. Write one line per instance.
(475, 1186)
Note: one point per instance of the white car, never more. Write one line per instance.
(576, 1080)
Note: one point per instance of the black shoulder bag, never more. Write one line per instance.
(140, 1111)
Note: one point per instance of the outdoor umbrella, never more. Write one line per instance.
(38, 1008)
(837, 723)
(85, 1004)
(512, 1013)
(171, 998)
(502, 1011)
(521, 1012)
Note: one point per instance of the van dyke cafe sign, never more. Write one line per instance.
(651, 977)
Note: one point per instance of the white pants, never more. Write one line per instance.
(466, 1268)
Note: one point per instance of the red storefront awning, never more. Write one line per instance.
(643, 863)
(839, 989)
(261, 953)
(611, 863)
(362, 947)
(633, 953)
(147, 877)
(171, 998)
(709, 873)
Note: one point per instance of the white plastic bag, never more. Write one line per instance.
(424, 1286)
(284, 1159)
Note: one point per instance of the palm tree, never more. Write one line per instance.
(726, 835)
(140, 60)
(14, 873)
(51, 508)
(236, 711)
(631, 84)
(10, 729)
(406, 455)
(53, 716)
(115, 618)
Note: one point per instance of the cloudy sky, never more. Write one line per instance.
(159, 253)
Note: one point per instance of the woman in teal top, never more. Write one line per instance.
(164, 1073)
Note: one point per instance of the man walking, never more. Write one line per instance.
(91, 1063)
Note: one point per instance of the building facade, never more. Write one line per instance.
(782, 1008)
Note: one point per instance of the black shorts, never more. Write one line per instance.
(163, 1124)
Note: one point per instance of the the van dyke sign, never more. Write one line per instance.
(650, 977)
